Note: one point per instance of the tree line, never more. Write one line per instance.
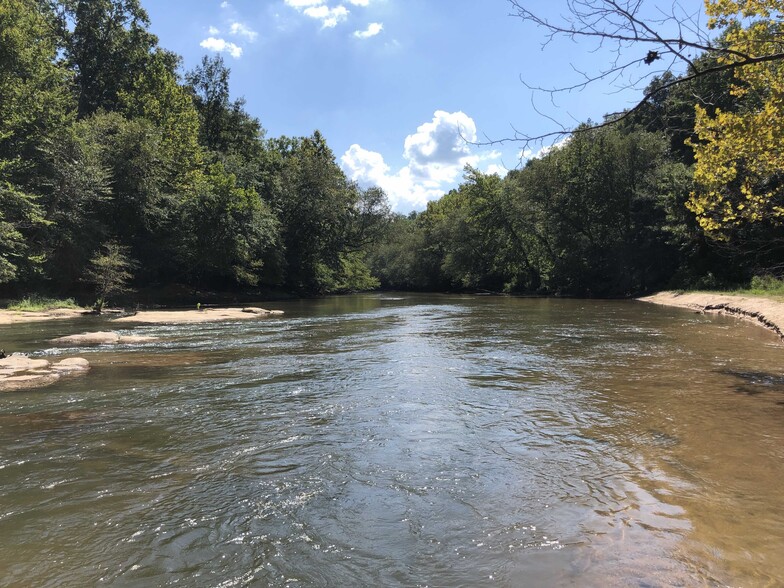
(113, 162)
(684, 190)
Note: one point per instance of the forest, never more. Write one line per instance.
(119, 171)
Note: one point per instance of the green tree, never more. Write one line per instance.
(34, 106)
(109, 48)
(227, 232)
(110, 271)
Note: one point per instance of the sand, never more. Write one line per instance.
(196, 316)
(10, 317)
(762, 311)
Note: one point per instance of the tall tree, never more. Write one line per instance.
(34, 107)
(109, 48)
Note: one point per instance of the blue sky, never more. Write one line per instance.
(396, 86)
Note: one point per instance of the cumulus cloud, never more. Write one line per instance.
(320, 10)
(222, 46)
(436, 155)
(329, 17)
(243, 30)
(373, 29)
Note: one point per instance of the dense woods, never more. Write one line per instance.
(113, 161)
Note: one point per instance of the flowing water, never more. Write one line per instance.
(402, 440)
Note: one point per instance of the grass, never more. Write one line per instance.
(764, 286)
(40, 303)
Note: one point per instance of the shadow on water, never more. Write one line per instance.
(752, 383)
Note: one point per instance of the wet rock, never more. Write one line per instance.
(262, 311)
(102, 338)
(19, 372)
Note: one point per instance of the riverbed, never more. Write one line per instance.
(399, 439)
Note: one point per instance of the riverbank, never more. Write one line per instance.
(11, 317)
(763, 311)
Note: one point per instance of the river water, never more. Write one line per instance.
(402, 440)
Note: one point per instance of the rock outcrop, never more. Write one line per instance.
(102, 338)
(19, 372)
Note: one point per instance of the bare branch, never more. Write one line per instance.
(619, 26)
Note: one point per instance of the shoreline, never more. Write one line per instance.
(764, 312)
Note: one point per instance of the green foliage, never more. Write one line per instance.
(227, 231)
(767, 284)
(35, 303)
(109, 48)
(110, 271)
(20, 214)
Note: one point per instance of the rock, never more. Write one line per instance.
(135, 339)
(73, 364)
(21, 363)
(102, 338)
(19, 372)
(264, 311)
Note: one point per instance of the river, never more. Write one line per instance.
(403, 440)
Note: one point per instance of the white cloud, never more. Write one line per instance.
(225, 4)
(243, 30)
(359, 2)
(329, 17)
(436, 155)
(300, 4)
(373, 29)
(213, 31)
(221, 46)
(319, 10)
(496, 169)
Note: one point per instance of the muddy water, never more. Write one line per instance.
(403, 440)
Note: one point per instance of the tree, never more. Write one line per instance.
(110, 272)
(226, 232)
(740, 155)
(639, 35)
(225, 126)
(109, 48)
(34, 107)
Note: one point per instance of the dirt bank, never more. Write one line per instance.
(763, 311)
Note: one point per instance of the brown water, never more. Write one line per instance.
(403, 441)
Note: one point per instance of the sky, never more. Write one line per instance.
(406, 92)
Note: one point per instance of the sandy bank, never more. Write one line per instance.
(763, 311)
(10, 317)
(206, 315)
(196, 316)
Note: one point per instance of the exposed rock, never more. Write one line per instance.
(161, 317)
(19, 372)
(102, 338)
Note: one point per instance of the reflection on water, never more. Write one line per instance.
(403, 440)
